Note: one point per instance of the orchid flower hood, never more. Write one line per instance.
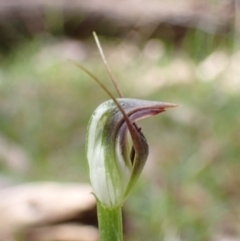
(116, 150)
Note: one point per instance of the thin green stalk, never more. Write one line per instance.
(109, 223)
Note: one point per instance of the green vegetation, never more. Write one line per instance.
(190, 186)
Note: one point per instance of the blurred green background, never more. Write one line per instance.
(189, 55)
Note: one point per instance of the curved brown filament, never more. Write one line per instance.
(130, 125)
(106, 65)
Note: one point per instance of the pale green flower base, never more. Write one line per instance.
(109, 223)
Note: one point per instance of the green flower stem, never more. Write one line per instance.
(110, 223)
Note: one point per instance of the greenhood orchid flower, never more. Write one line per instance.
(116, 148)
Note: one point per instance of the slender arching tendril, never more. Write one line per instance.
(132, 126)
(129, 123)
(106, 64)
